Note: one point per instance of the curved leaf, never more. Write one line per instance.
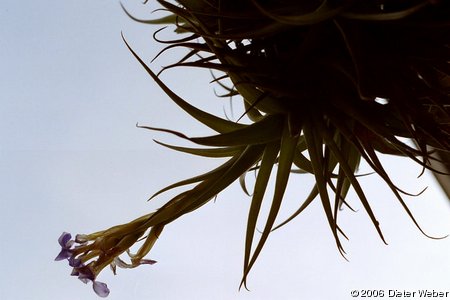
(213, 122)
(287, 149)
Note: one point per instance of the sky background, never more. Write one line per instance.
(72, 159)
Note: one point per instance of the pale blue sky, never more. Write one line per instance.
(71, 159)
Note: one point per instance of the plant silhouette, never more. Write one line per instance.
(325, 84)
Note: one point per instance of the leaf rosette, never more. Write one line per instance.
(325, 84)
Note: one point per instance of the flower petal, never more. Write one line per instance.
(64, 239)
(75, 262)
(100, 288)
(63, 254)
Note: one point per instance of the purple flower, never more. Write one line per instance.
(89, 254)
(85, 274)
(75, 262)
(66, 242)
(100, 288)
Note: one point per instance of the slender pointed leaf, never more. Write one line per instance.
(287, 149)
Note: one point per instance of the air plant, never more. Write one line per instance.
(324, 84)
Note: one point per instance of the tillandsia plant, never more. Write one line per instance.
(324, 83)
